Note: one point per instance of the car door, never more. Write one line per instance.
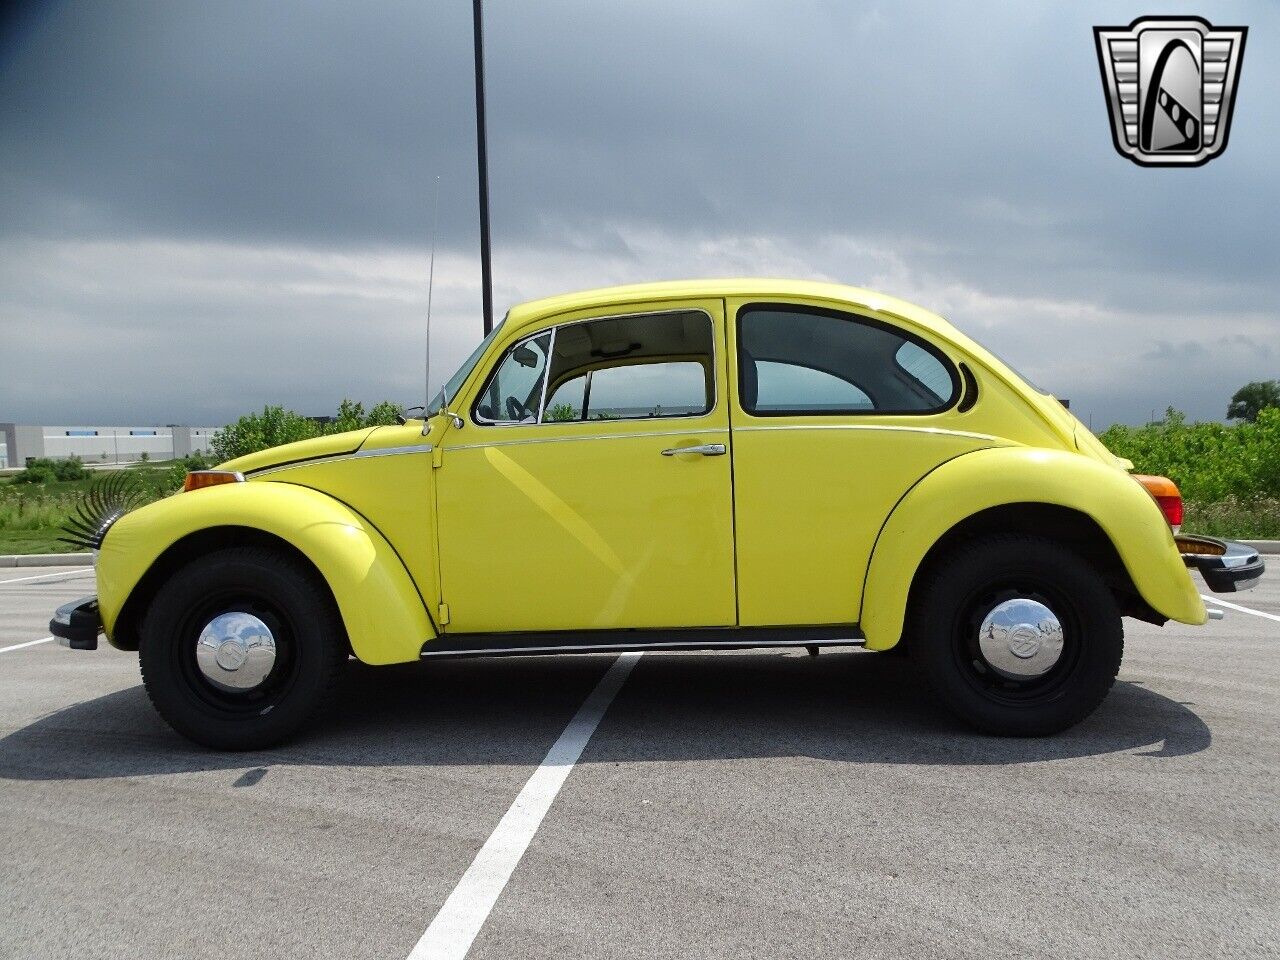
(836, 414)
(590, 487)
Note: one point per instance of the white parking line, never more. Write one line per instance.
(455, 927)
(29, 643)
(49, 576)
(1235, 606)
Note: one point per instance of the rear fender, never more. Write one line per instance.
(385, 618)
(984, 479)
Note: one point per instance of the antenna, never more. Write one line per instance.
(431, 283)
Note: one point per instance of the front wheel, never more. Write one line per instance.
(1017, 634)
(240, 649)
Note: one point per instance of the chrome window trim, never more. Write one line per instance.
(715, 390)
(546, 375)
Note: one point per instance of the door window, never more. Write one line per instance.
(632, 392)
(803, 360)
(635, 367)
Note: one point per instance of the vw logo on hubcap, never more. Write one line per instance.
(1024, 641)
(235, 651)
(230, 654)
(1020, 639)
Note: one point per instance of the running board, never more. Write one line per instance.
(618, 641)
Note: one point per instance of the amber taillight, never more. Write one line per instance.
(1165, 493)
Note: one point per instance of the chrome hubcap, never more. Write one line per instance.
(236, 651)
(1021, 639)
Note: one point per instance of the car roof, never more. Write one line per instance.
(837, 294)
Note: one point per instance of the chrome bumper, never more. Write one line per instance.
(1225, 565)
(77, 624)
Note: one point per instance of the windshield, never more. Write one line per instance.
(454, 384)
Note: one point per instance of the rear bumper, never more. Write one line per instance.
(77, 624)
(1225, 565)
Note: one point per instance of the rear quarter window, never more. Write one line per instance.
(805, 360)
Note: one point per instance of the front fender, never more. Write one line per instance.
(385, 617)
(995, 477)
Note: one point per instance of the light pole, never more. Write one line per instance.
(482, 165)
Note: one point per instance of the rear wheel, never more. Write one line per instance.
(1018, 635)
(240, 649)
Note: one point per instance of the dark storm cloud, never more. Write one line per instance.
(958, 152)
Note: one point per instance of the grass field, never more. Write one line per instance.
(31, 514)
(1240, 519)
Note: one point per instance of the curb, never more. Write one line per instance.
(47, 560)
(1263, 546)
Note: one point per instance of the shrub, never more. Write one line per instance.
(383, 414)
(71, 468)
(44, 470)
(1209, 461)
(276, 425)
(258, 431)
(36, 471)
(351, 416)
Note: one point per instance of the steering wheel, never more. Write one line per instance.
(516, 410)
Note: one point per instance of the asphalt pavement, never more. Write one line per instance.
(745, 804)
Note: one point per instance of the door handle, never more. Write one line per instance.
(706, 449)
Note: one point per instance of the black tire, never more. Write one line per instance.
(283, 594)
(958, 593)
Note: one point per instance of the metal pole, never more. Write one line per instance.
(482, 164)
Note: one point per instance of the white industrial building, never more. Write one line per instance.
(20, 443)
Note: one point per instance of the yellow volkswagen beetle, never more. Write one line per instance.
(694, 465)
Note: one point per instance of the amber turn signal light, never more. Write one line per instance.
(198, 479)
(1200, 547)
(1165, 493)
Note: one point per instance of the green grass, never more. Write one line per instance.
(32, 514)
(33, 541)
(1237, 519)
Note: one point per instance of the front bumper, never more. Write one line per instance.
(77, 624)
(1226, 566)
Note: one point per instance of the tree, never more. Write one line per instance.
(1252, 398)
(276, 425)
(383, 414)
(351, 416)
(258, 431)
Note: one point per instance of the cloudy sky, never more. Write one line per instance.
(205, 207)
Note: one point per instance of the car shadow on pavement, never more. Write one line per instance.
(853, 707)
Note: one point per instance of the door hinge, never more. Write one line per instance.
(437, 457)
(444, 614)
